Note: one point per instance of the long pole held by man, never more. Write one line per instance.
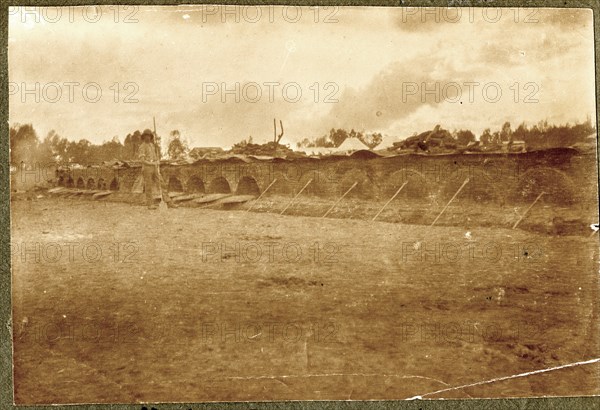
(150, 159)
(161, 181)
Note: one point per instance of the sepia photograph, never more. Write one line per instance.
(227, 203)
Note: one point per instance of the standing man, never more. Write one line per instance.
(148, 155)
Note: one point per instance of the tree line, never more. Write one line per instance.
(26, 147)
(543, 135)
(538, 136)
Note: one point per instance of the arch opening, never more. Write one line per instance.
(90, 183)
(247, 186)
(219, 186)
(175, 185)
(558, 188)
(362, 186)
(80, 183)
(416, 187)
(196, 185)
(114, 185)
(70, 183)
(101, 183)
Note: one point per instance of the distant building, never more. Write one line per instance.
(206, 152)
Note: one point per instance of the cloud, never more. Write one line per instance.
(394, 93)
(540, 71)
(373, 57)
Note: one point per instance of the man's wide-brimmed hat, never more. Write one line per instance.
(148, 132)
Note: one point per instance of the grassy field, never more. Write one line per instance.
(114, 303)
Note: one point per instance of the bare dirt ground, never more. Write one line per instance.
(114, 303)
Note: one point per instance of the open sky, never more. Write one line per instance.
(395, 71)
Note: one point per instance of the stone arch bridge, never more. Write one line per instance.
(483, 177)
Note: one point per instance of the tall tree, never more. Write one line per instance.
(463, 137)
(53, 149)
(506, 132)
(80, 152)
(486, 137)
(371, 140)
(24, 144)
(177, 148)
(131, 144)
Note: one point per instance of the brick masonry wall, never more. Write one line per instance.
(563, 174)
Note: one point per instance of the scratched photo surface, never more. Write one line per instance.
(226, 203)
